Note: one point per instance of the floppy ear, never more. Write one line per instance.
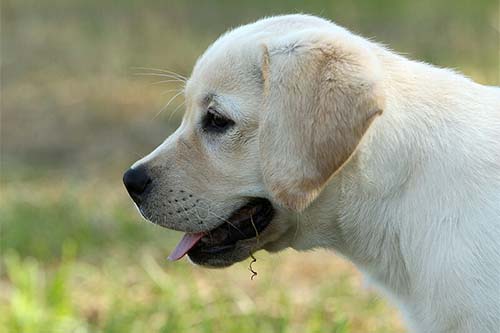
(319, 100)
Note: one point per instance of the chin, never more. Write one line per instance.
(221, 259)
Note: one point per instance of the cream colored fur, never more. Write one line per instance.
(392, 163)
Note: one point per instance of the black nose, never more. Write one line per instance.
(136, 181)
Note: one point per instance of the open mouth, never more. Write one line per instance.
(245, 223)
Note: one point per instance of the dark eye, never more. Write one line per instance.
(215, 122)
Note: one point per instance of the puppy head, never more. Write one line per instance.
(274, 110)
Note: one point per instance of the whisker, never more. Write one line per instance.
(227, 221)
(177, 108)
(185, 212)
(161, 75)
(209, 212)
(161, 70)
(221, 218)
(168, 103)
(200, 219)
(169, 91)
(165, 81)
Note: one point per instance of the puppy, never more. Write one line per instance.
(298, 133)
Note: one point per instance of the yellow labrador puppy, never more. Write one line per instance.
(298, 133)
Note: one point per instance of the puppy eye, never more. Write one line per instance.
(215, 122)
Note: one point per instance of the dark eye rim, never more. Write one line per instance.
(214, 122)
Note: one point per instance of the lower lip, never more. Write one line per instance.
(216, 249)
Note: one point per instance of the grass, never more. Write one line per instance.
(75, 262)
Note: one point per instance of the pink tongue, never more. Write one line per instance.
(186, 243)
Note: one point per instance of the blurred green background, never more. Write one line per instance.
(75, 256)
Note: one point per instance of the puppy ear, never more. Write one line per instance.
(319, 100)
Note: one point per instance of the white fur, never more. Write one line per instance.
(416, 207)
(420, 211)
